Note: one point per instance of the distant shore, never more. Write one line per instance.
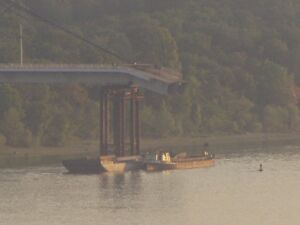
(223, 143)
(34, 156)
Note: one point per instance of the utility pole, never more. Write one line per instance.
(21, 44)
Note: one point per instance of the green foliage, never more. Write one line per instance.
(275, 118)
(148, 122)
(274, 85)
(240, 61)
(9, 98)
(151, 43)
(87, 128)
(158, 123)
(56, 133)
(2, 139)
(13, 129)
(293, 117)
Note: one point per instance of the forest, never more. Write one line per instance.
(240, 60)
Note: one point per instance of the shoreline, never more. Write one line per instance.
(226, 142)
(41, 156)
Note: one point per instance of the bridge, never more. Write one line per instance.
(118, 85)
(149, 77)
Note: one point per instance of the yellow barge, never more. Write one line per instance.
(115, 164)
(163, 161)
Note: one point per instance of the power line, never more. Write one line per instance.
(57, 26)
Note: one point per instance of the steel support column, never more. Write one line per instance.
(132, 122)
(101, 123)
(120, 96)
(105, 122)
(116, 125)
(137, 125)
(122, 123)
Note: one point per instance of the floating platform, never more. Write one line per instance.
(194, 162)
(109, 163)
(83, 166)
(121, 164)
(163, 161)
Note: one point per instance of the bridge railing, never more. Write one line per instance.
(45, 66)
(148, 68)
(156, 70)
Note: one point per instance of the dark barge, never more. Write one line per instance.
(83, 166)
(109, 163)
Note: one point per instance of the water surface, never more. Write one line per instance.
(231, 193)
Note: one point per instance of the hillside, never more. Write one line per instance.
(240, 59)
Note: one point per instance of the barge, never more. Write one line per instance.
(83, 166)
(164, 161)
(109, 163)
(115, 164)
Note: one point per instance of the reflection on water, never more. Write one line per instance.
(231, 193)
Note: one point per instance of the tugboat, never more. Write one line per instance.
(161, 161)
(164, 161)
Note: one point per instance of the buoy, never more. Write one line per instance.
(260, 168)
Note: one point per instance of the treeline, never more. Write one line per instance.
(240, 60)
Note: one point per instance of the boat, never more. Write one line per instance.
(83, 166)
(194, 162)
(159, 166)
(111, 163)
(164, 161)
(158, 162)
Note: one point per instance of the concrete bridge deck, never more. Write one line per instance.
(149, 77)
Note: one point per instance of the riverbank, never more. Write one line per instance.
(224, 143)
(21, 157)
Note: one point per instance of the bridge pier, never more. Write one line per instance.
(103, 122)
(122, 126)
(132, 124)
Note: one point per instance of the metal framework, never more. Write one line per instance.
(120, 118)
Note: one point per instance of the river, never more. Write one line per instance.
(232, 192)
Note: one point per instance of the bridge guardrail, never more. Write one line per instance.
(148, 68)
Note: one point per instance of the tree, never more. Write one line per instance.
(57, 131)
(13, 129)
(274, 85)
(275, 118)
(9, 98)
(151, 43)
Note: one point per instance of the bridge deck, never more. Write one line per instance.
(159, 80)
